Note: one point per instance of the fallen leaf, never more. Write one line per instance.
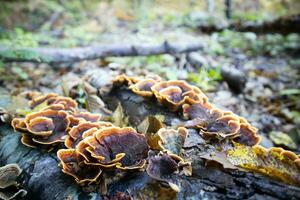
(118, 117)
(172, 140)
(282, 139)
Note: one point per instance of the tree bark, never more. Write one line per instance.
(44, 180)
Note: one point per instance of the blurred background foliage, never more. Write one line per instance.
(78, 23)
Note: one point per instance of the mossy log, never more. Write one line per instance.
(43, 179)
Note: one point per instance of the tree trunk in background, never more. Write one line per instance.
(228, 9)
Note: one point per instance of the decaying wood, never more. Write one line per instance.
(43, 178)
(59, 55)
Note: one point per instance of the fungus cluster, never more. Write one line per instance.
(102, 147)
(94, 147)
(179, 96)
(52, 117)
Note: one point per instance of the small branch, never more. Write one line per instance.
(61, 55)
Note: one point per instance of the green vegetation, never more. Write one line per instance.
(252, 44)
(206, 78)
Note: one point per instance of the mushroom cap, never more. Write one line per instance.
(68, 103)
(203, 111)
(72, 164)
(49, 98)
(48, 126)
(19, 124)
(87, 116)
(77, 133)
(54, 102)
(143, 87)
(125, 80)
(8, 175)
(175, 93)
(113, 144)
(247, 135)
(225, 126)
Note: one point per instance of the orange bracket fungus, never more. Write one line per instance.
(247, 135)
(125, 80)
(87, 116)
(76, 133)
(73, 164)
(173, 94)
(105, 147)
(44, 127)
(143, 87)
(54, 102)
(114, 144)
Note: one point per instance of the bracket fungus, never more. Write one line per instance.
(102, 148)
(54, 102)
(87, 116)
(73, 164)
(175, 93)
(143, 87)
(125, 80)
(211, 121)
(77, 133)
(44, 127)
(123, 146)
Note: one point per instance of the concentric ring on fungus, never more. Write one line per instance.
(114, 146)
(87, 116)
(247, 135)
(53, 101)
(48, 126)
(72, 164)
(143, 87)
(49, 98)
(175, 93)
(77, 133)
(19, 124)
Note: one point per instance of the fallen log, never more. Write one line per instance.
(43, 179)
(283, 25)
(71, 55)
